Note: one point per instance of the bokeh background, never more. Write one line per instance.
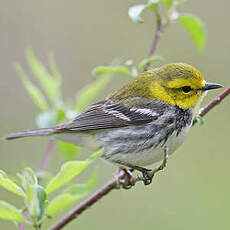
(193, 192)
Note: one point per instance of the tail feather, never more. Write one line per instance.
(33, 132)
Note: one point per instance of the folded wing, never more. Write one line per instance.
(109, 114)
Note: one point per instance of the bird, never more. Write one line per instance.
(135, 124)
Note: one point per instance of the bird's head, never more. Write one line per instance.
(178, 84)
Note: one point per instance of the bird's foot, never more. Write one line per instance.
(129, 179)
(125, 178)
(147, 174)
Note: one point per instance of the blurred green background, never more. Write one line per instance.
(193, 192)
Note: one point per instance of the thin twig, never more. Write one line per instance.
(215, 101)
(46, 157)
(23, 225)
(73, 214)
(111, 185)
(155, 38)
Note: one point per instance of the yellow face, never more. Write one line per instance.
(178, 84)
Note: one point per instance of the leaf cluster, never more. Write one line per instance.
(167, 12)
(45, 90)
(36, 197)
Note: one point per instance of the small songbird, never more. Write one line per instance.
(136, 123)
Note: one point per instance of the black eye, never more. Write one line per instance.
(186, 89)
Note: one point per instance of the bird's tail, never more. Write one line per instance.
(33, 132)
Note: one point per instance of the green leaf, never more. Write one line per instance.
(195, 28)
(135, 13)
(68, 171)
(69, 151)
(60, 115)
(168, 3)
(111, 69)
(35, 197)
(50, 85)
(95, 155)
(8, 184)
(54, 69)
(34, 92)
(152, 4)
(147, 61)
(200, 120)
(48, 119)
(61, 201)
(35, 202)
(41, 196)
(10, 212)
(70, 195)
(89, 92)
(28, 177)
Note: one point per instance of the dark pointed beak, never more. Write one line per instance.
(209, 85)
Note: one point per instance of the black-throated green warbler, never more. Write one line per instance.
(136, 123)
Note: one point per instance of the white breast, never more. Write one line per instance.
(152, 155)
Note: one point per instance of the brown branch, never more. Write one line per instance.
(23, 225)
(156, 38)
(111, 185)
(214, 102)
(73, 214)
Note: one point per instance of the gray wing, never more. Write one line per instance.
(109, 114)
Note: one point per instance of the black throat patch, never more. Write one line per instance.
(183, 118)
